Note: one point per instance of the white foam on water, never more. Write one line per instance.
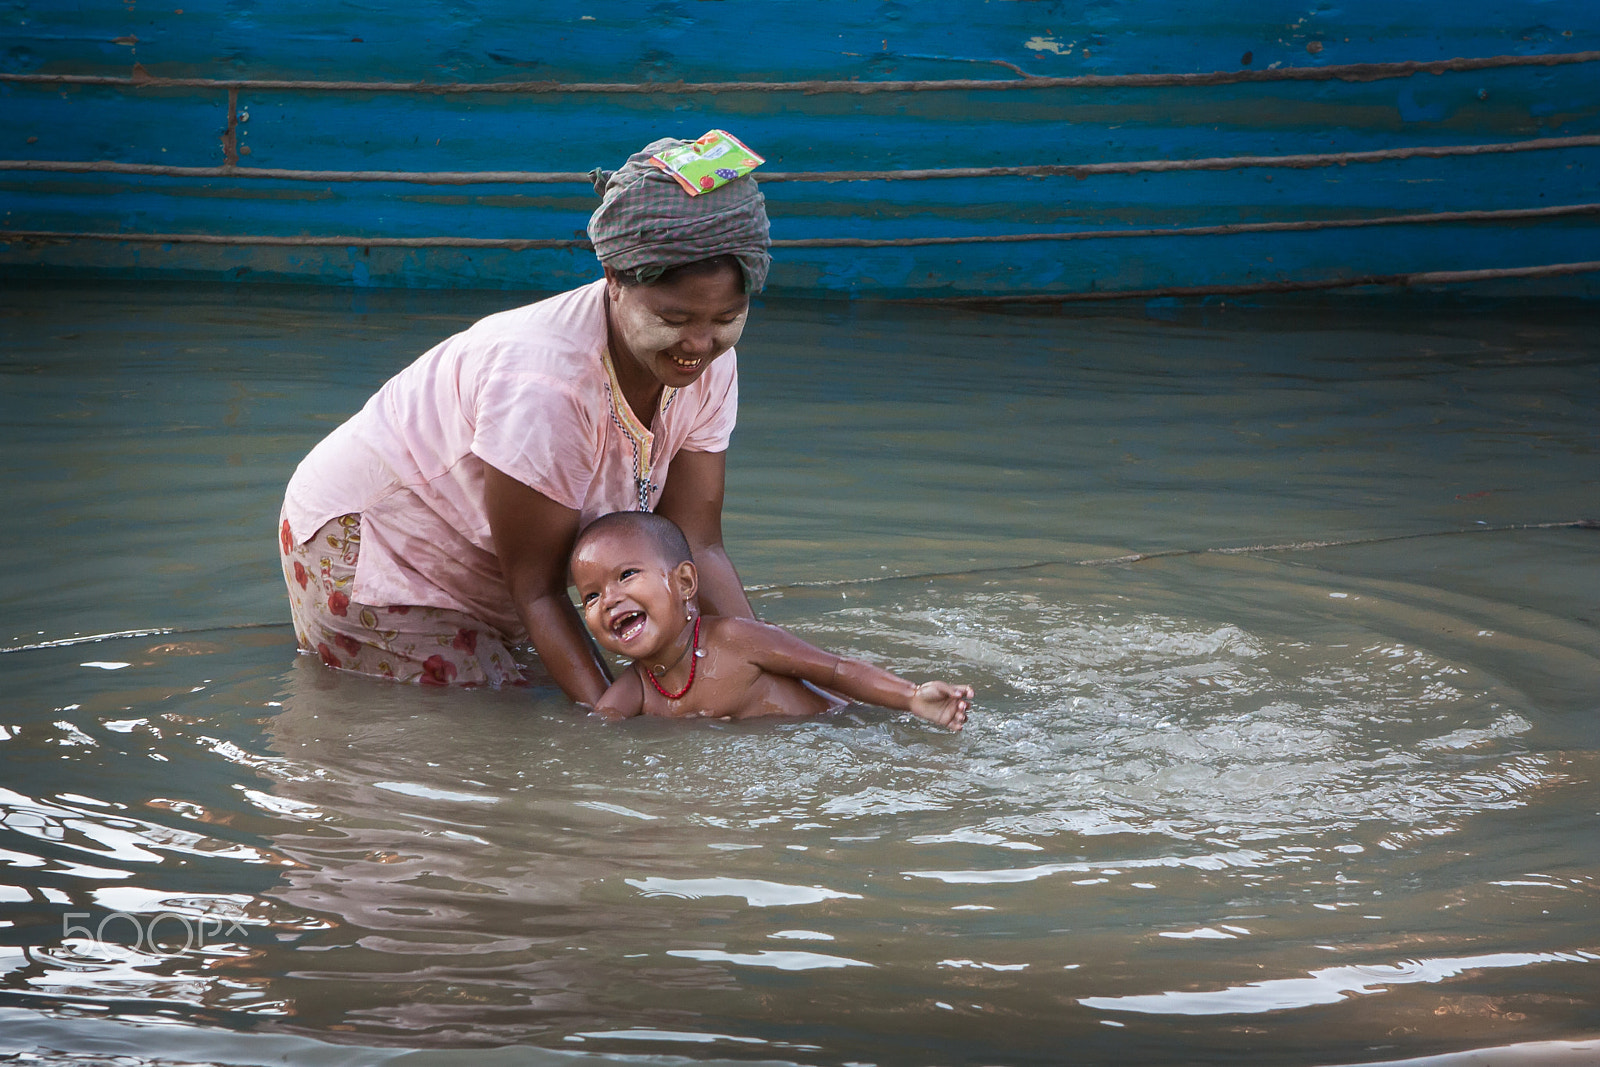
(755, 892)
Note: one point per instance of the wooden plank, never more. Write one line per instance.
(1135, 263)
(486, 40)
(804, 210)
(310, 130)
(581, 131)
(171, 126)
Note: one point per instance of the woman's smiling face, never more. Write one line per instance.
(673, 330)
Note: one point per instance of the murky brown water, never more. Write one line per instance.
(1329, 799)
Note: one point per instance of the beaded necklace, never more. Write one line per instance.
(638, 436)
(694, 654)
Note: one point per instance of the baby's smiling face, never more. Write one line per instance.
(633, 602)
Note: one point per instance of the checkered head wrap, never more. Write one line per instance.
(646, 223)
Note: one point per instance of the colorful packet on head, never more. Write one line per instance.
(709, 163)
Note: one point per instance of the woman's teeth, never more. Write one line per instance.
(629, 626)
(686, 364)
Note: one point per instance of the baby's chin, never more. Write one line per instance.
(646, 652)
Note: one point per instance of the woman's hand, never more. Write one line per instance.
(533, 536)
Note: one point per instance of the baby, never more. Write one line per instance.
(636, 587)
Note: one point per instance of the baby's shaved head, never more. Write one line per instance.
(659, 532)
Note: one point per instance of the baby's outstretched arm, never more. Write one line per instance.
(778, 651)
(942, 703)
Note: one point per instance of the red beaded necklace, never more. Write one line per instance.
(694, 654)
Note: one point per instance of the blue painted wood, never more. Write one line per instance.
(168, 126)
(1137, 264)
(802, 210)
(392, 131)
(338, 131)
(623, 40)
(487, 41)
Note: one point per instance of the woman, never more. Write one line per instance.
(430, 532)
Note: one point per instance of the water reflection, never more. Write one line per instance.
(1140, 786)
(1142, 791)
(1331, 985)
(1313, 804)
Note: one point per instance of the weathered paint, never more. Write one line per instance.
(311, 129)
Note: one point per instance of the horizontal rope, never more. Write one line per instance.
(520, 244)
(1225, 229)
(1051, 170)
(1159, 166)
(447, 177)
(512, 244)
(1354, 72)
(1435, 277)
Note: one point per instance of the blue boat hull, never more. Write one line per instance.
(1023, 151)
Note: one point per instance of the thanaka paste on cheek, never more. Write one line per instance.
(641, 331)
(645, 335)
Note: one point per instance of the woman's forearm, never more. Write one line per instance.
(692, 498)
(565, 649)
(532, 536)
(721, 592)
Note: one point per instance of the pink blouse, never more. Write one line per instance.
(529, 391)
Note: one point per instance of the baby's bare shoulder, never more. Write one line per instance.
(774, 650)
(738, 634)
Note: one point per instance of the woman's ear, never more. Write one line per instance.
(688, 580)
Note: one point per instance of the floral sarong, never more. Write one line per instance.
(428, 646)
